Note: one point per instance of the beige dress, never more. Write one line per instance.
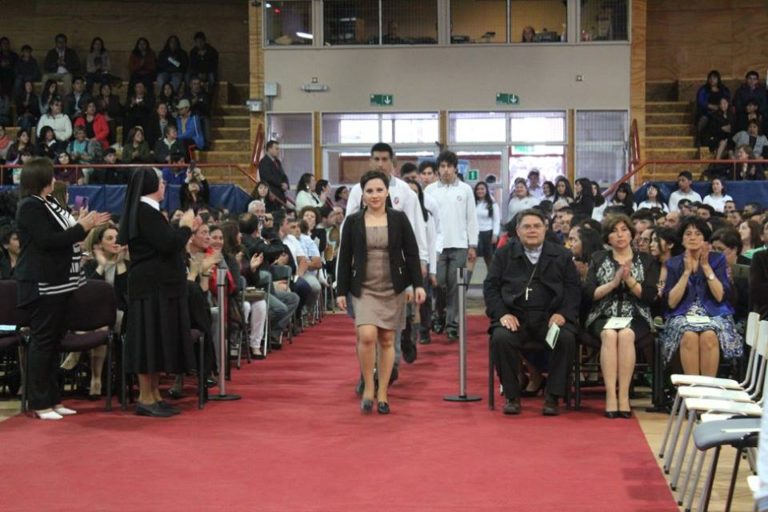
(378, 304)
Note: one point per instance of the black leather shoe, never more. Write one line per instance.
(551, 407)
(611, 415)
(175, 394)
(425, 339)
(409, 350)
(168, 407)
(210, 382)
(382, 408)
(154, 410)
(438, 325)
(512, 406)
(625, 415)
(366, 406)
(360, 386)
(452, 333)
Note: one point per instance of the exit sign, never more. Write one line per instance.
(507, 98)
(473, 175)
(382, 100)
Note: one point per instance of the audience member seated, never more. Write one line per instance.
(563, 191)
(529, 35)
(98, 65)
(61, 63)
(340, 196)
(47, 145)
(750, 233)
(142, 66)
(642, 221)
(190, 131)
(600, 203)
(169, 97)
(8, 60)
(654, 198)
(194, 192)
(719, 128)
(583, 242)
(746, 170)
(136, 148)
(26, 70)
(27, 107)
(708, 101)
(160, 119)
(5, 109)
(531, 285)
(623, 198)
(168, 148)
(751, 89)
(203, 62)
(305, 192)
(305, 285)
(199, 99)
(95, 125)
(520, 200)
(22, 143)
(83, 150)
(49, 93)
(172, 64)
(74, 102)
(109, 105)
(9, 240)
(5, 144)
(728, 241)
(261, 192)
(697, 291)
(584, 200)
(109, 175)
(717, 198)
(684, 191)
(178, 174)
(621, 284)
(751, 113)
(753, 138)
(65, 172)
(139, 108)
(548, 192)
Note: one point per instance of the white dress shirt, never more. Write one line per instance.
(717, 202)
(678, 195)
(517, 204)
(456, 213)
(487, 222)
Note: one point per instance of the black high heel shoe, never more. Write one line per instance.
(626, 415)
(366, 406)
(611, 415)
(382, 408)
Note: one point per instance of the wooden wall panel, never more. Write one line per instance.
(121, 23)
(687, 39)
(638, 70)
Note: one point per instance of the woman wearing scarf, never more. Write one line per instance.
(158, 327)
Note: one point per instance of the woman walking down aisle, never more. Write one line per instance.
(158, 328)
(378, 261)
(48, 272)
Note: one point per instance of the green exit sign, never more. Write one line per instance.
(382, 100)
(473, 175)
(507, 98)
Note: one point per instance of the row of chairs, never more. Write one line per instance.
(717, 412)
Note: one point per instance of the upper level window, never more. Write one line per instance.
(288, 22)
(408, 128)
(604, 20)
(379, 22)
(544, 127)
(537, 21)
(513, 21)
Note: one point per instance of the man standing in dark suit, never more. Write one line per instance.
(271, 171)
(531, 285)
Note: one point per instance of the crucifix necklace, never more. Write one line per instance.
(528, 284)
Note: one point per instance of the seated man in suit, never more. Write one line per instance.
(532, 284)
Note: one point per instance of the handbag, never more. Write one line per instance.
(252, 294)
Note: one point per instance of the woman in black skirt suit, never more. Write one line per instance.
(158, 327)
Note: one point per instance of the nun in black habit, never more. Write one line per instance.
(158, 327)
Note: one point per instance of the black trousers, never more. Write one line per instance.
(47, 324)
(530, 336)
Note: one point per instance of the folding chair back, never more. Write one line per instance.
(92, 307)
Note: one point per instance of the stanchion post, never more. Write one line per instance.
(462, 285)
(221, 285)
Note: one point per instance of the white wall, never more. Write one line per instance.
(452, 78)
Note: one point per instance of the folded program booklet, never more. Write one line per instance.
(618, 322)
(552, 334)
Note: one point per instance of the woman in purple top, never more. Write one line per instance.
(696, 291)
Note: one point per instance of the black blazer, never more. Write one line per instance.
(274, 176)
(404, 263)
(46, 248)
(758, 284)
(508, 275)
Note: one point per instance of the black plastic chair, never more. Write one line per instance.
(586, 339)
(92, 308)
(11, 340)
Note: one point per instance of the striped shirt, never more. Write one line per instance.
(76, 275)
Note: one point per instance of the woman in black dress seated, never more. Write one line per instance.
(158, 327)
(622, 285)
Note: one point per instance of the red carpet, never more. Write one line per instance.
(297, 442)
